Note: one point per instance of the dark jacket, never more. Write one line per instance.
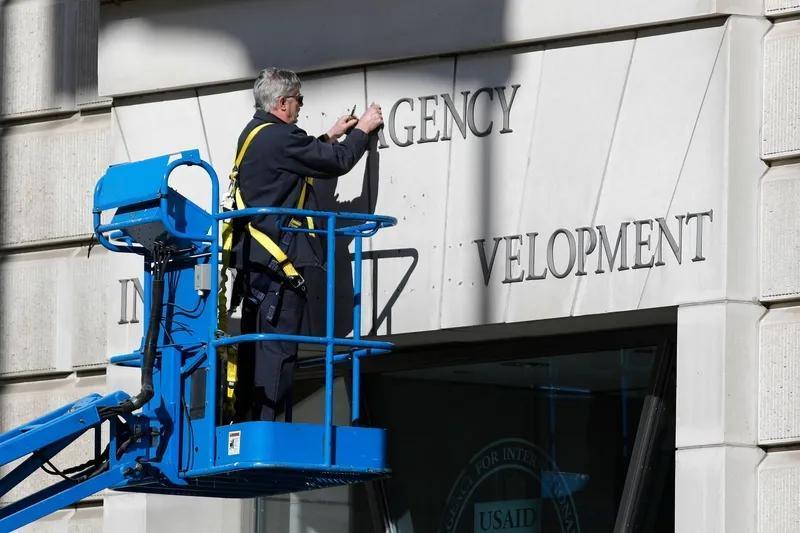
(272, 175)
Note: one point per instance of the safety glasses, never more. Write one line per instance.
(298, 97)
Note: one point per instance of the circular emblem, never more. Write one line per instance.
(529, 484)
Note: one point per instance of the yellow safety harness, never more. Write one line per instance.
(234, 200)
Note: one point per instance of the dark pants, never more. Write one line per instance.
(266, 369)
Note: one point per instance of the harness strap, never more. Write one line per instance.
(245, 145)
(264, 240)
(301, 202)
(229, 354)
(268, 244)
(280, 259)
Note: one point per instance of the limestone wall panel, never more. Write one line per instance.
(714, 489)
(87, 23)
(645, 165)
(35, 77)
(47, 176)
(49, 57)
(79, 520)
(155, 45)
(65, 309)
(779, 377)
(571, 161)
(778, 487)
(781, 109)
(778, 8)
(486, 179)
(780, 233)
(571, 138)
(154, 126)
(29, 287)
(717, 374)
(413, 188)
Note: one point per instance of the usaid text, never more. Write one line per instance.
(437, 117)
(653, 242)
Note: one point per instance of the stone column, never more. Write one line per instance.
(779, 230)
(717, 455)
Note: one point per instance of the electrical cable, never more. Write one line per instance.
(130, 440)
(189, 312)
(92, 467)
(168, 336)
(188, 416)
(83, 471)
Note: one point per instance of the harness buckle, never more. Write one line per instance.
(297, 282)
(228, 202)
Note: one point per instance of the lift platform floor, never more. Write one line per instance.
(265, 458)
(252, 483)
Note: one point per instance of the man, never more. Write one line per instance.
(277, 169)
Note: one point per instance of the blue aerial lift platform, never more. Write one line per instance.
(173, 437)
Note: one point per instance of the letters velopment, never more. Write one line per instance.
(574, 251)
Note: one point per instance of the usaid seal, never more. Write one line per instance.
(511, 486)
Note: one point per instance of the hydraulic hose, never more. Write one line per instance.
(150, 342)
(161, 256)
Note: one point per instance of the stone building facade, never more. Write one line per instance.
(622, 174)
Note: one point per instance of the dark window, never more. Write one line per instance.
(520, 442)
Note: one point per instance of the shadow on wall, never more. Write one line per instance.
(449, 24)
(390, 266)
(4, 303)
(4, 60)
(365, 202)
(44, 51)
(302, 35)
(328, 200)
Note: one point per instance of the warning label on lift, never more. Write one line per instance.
(234, 440)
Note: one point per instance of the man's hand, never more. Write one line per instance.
(371, 119)
(343, 124)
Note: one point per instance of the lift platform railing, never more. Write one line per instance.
(355, 226)
(365, 226)
(156, 444)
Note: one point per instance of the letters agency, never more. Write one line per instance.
(593, 248)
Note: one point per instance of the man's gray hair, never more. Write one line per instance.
(271, 84)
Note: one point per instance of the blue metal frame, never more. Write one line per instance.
(365, 226)
(170, 449)
(38, 441)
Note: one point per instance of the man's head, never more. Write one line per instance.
(278, 91)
